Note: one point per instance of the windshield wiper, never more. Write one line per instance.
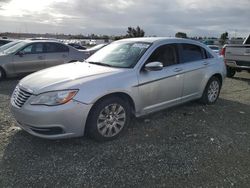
(99, 63)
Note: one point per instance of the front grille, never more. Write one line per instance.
(20, 96)
(243, 63)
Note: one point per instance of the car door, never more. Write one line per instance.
(31, 58)
(162, 88)
(194, 63)
(56, 54)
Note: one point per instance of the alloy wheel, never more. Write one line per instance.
(111, 120)
(213, 91)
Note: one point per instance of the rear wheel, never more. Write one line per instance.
(108, 119)
(2, 74)
(212, 91)
(230, 72)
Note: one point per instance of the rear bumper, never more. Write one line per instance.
(243, 65)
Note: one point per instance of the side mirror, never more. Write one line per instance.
(21, 53)
(153, 66)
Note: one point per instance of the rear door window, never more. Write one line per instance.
(192, 52)
(56, 48)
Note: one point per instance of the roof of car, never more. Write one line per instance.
(156, 39)
(33, 41)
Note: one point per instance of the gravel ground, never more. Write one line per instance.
(191, 145)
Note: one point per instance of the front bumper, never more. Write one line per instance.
(52, 122)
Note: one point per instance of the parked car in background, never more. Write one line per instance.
(92, 42)
(30, 56)
(237, 57)
(127, 77)
(41, 38)
(8, 45)
(77, 46)
(90, 51)
(4, 41)
(215, 48)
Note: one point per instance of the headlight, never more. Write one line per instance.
(53, 98)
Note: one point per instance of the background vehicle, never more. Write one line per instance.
(92, 42)
(216, 49)
(237, 57)
(8, 45)
(4, 41)
(77, 46)
(30, 56)
(130, 76)
(90, 51)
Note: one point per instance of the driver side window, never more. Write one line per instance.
(34, 49)
(28, 49)
(166, 54)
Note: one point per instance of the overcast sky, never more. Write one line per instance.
(112, 17)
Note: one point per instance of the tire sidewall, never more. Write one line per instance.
(91, 128)
(205, 93)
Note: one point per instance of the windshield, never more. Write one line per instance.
(6, 46)
(122, 55)
(15, 48)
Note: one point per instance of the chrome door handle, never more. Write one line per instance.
(205, 63)
(178, 69)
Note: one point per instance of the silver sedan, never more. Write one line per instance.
(33, 55)
(127, 77)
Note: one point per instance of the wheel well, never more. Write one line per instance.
(122, 96)
(218, 76)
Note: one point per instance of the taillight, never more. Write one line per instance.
(223, 51)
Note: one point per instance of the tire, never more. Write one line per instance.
(230, 72)
(211, 92)
(108, 119)
(2, 74)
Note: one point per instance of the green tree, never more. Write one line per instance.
(223, 38)
(181, 35)
(135, 32)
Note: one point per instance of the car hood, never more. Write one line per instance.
(68, 76)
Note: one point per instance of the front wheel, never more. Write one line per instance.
(212, 91)
(108, 119)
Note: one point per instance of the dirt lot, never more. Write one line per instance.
(187, 146)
